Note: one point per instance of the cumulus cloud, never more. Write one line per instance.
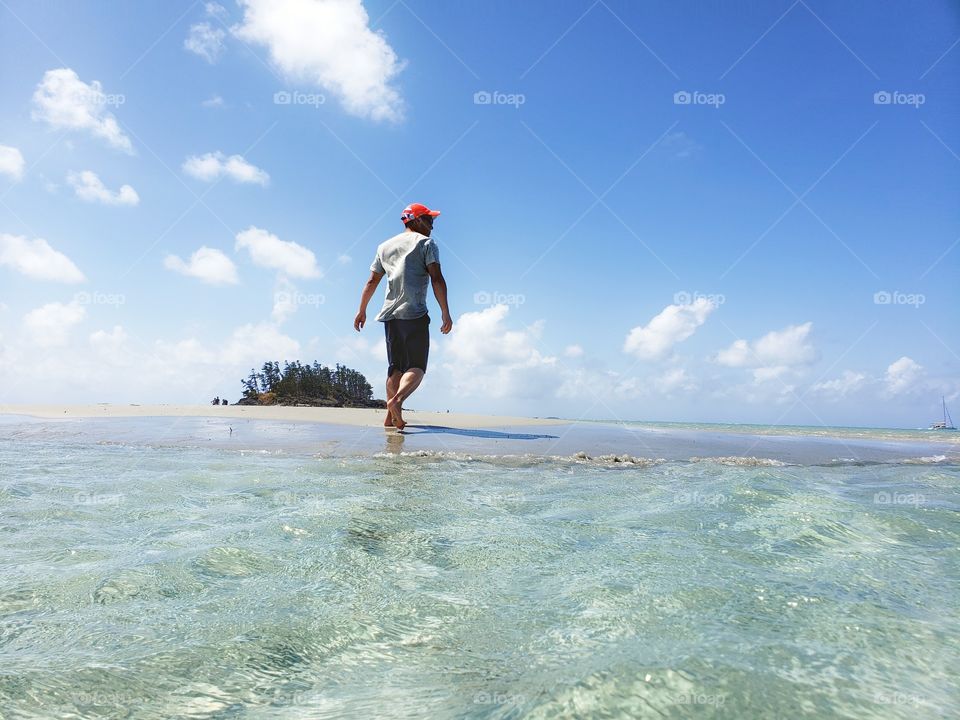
(50, 325)
(37, 260)
(88, 186)
(253, 342)
(486, 358)
(215, 10)
(64, 101)
(902, 376)
(207, 264)
(674, 324)
(675, 380)
(269, 251)
(214, 165)
(206, 41)
(573, 351)
(848, 383)
(356, 350)
(247, 346)
(772, 354)
(328, 44)
(109, 364)
(111, 346)
(11, 162)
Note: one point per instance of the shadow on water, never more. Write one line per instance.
(488, 434)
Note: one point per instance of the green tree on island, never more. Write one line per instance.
(299, 384)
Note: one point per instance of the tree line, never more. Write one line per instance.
(316, 384)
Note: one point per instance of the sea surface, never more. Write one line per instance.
(159, 568)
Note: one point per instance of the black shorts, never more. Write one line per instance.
(408, 344)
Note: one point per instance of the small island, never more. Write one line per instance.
(313, 385)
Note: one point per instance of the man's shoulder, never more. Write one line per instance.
(399, 239)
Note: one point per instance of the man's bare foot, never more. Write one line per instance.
(394, 409)
(389, 421)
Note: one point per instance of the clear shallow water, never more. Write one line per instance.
(840, 433)
(157, 582)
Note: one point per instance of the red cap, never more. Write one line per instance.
(415, 210)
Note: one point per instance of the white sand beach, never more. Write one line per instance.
(361, 417)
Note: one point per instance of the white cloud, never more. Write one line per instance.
(50, 325)
(902, 376)
(354, 350)
(573, 351)
(330, 45)
(255, 343)
(37, 260)
(248, 346)
(485, 358)
(206, 41)
(64, 101)
(111, 346)
(215, 10)
(849, 382)
(344, 259)
(269, 251)
(108, 365)
(213, 101)
(213, 165)
(674, 324)
(89, 187)
(674, 380)
(11, 162)
(283, 301)
(775, 351)
(210, 265)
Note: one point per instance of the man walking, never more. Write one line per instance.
(408, 260)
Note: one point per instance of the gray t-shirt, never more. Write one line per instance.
(404, 259)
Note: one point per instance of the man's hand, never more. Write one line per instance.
(359, 320)
(447, 324)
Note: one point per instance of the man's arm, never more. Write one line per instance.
(440, 291)
(368, 290)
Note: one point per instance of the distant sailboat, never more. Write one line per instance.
(947, 422)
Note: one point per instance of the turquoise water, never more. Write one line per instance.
(159, 582)
(825, 431)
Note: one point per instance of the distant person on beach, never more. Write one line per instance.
(408, 260)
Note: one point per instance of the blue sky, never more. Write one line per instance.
(611, 250)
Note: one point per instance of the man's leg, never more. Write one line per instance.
(393, 384)
(409, 382)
